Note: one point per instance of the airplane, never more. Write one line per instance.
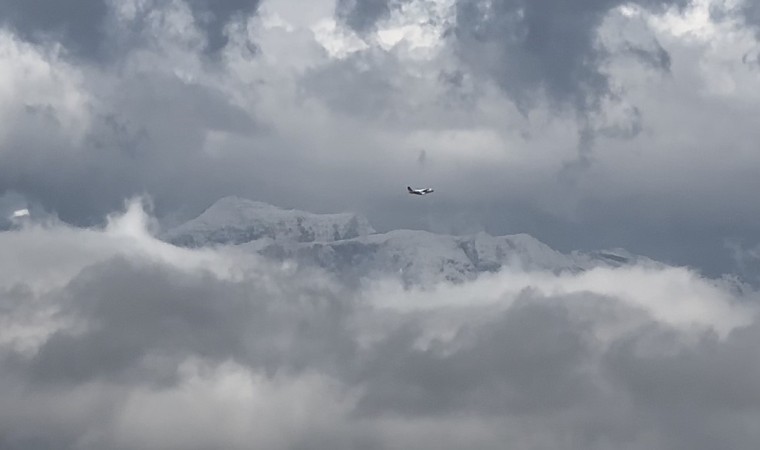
(419, 191)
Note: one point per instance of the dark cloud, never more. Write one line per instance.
(548, 50)
(144, 319)
(751, 12)
(152, 125)
(214, 15)
(362, 15)
(657, 58)
(133, 311)
(534, 47)
(541, 359)
(673, 384)
(530, 47)
(527, 361)
(588, 371)
(85, 27)
(79, 24)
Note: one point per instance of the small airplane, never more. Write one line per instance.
(419, 191)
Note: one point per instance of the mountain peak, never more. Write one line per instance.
(236, 203)
(237, 220)
(346, 245)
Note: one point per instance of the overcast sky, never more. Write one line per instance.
(587, 124)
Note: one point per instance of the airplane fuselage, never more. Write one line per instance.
(418, 191)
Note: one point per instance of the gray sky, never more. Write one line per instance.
(610, 124)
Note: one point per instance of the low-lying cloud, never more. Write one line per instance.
(113, 339)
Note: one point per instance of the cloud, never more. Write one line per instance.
(123, 134)
(80, 25)
(548, 47)
(90, 28)
(122, 340)
(751, 12)
(362, 15)
(214, 15)
(526, 361)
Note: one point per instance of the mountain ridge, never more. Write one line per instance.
(236, 220)
(346, 245)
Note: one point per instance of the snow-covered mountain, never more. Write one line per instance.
(234, 220)
(347, 245)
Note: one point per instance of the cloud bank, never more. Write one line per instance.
(113, 339)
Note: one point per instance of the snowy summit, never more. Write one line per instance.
(235, 220)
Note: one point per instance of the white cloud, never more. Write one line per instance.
(339, 43)
(36, 80)
(675, 296)
(230, 407)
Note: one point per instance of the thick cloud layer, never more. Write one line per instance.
(122, 341)
(86, 27)
(751, 12)
(80, 24)
(529, 48)
(214, 15)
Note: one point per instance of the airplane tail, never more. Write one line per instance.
(409, 188)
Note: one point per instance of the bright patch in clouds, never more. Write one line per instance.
(36, 80)
(675, 296)
(419, 25)
(338, 42)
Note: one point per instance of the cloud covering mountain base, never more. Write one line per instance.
(111, 338)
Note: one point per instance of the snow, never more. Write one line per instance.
(234, 220)
(346, 245)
